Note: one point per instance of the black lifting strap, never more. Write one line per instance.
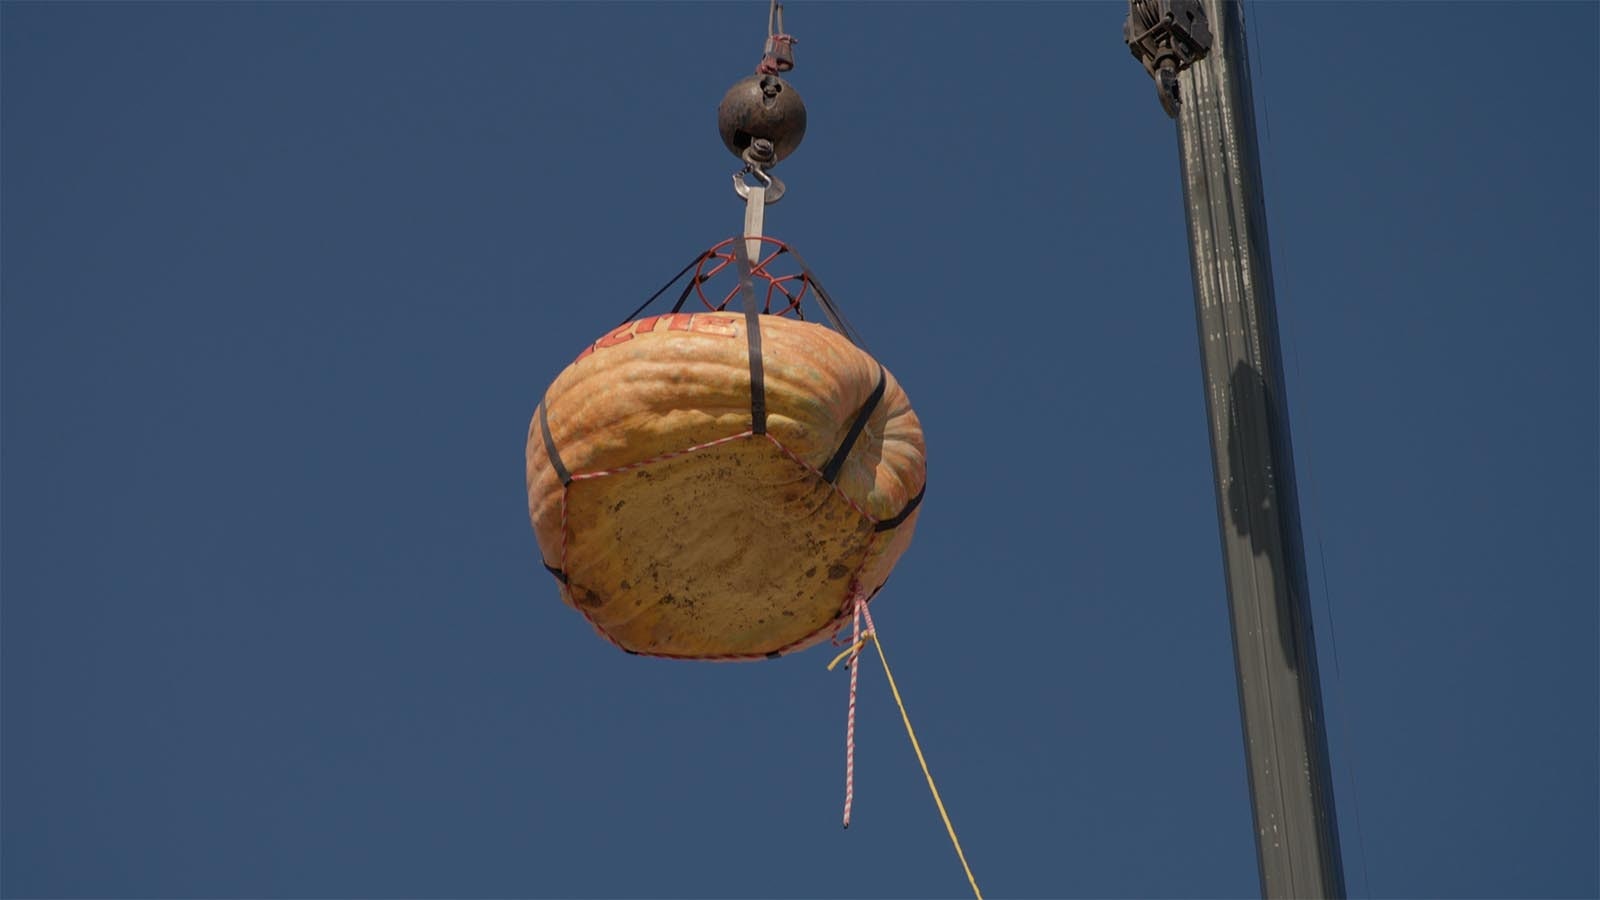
(904, 514)
(550, 444)
(829, 308)
(663, 289)
(830, 472)
(843, 326)
(555, 464)
(752, 328)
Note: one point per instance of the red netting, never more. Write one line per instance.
(783, 291)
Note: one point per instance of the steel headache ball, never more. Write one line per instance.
(762, 106)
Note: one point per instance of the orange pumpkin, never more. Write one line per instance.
(703, 492)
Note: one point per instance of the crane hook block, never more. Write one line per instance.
(762, 107)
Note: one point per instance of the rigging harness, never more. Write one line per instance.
(762, 120)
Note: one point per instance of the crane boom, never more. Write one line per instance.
(1195, 50)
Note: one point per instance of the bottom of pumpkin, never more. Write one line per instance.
(734, 550)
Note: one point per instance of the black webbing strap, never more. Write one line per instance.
(550, 447)
(684, 297)
(830, 472)
(663, 289)
(752, 328)
(829, 308)
(888, 524)
(560, 473)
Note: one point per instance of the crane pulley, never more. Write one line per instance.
(1167, 36)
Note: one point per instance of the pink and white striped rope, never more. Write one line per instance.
(866, 616)
(858, 596)
(601, 473)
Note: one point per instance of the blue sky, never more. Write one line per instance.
(282, 284)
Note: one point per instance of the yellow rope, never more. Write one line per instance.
(910, 732)
(841, 657)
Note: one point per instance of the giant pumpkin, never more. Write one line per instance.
(722, 486)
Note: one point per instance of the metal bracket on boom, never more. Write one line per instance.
(1166, 37)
